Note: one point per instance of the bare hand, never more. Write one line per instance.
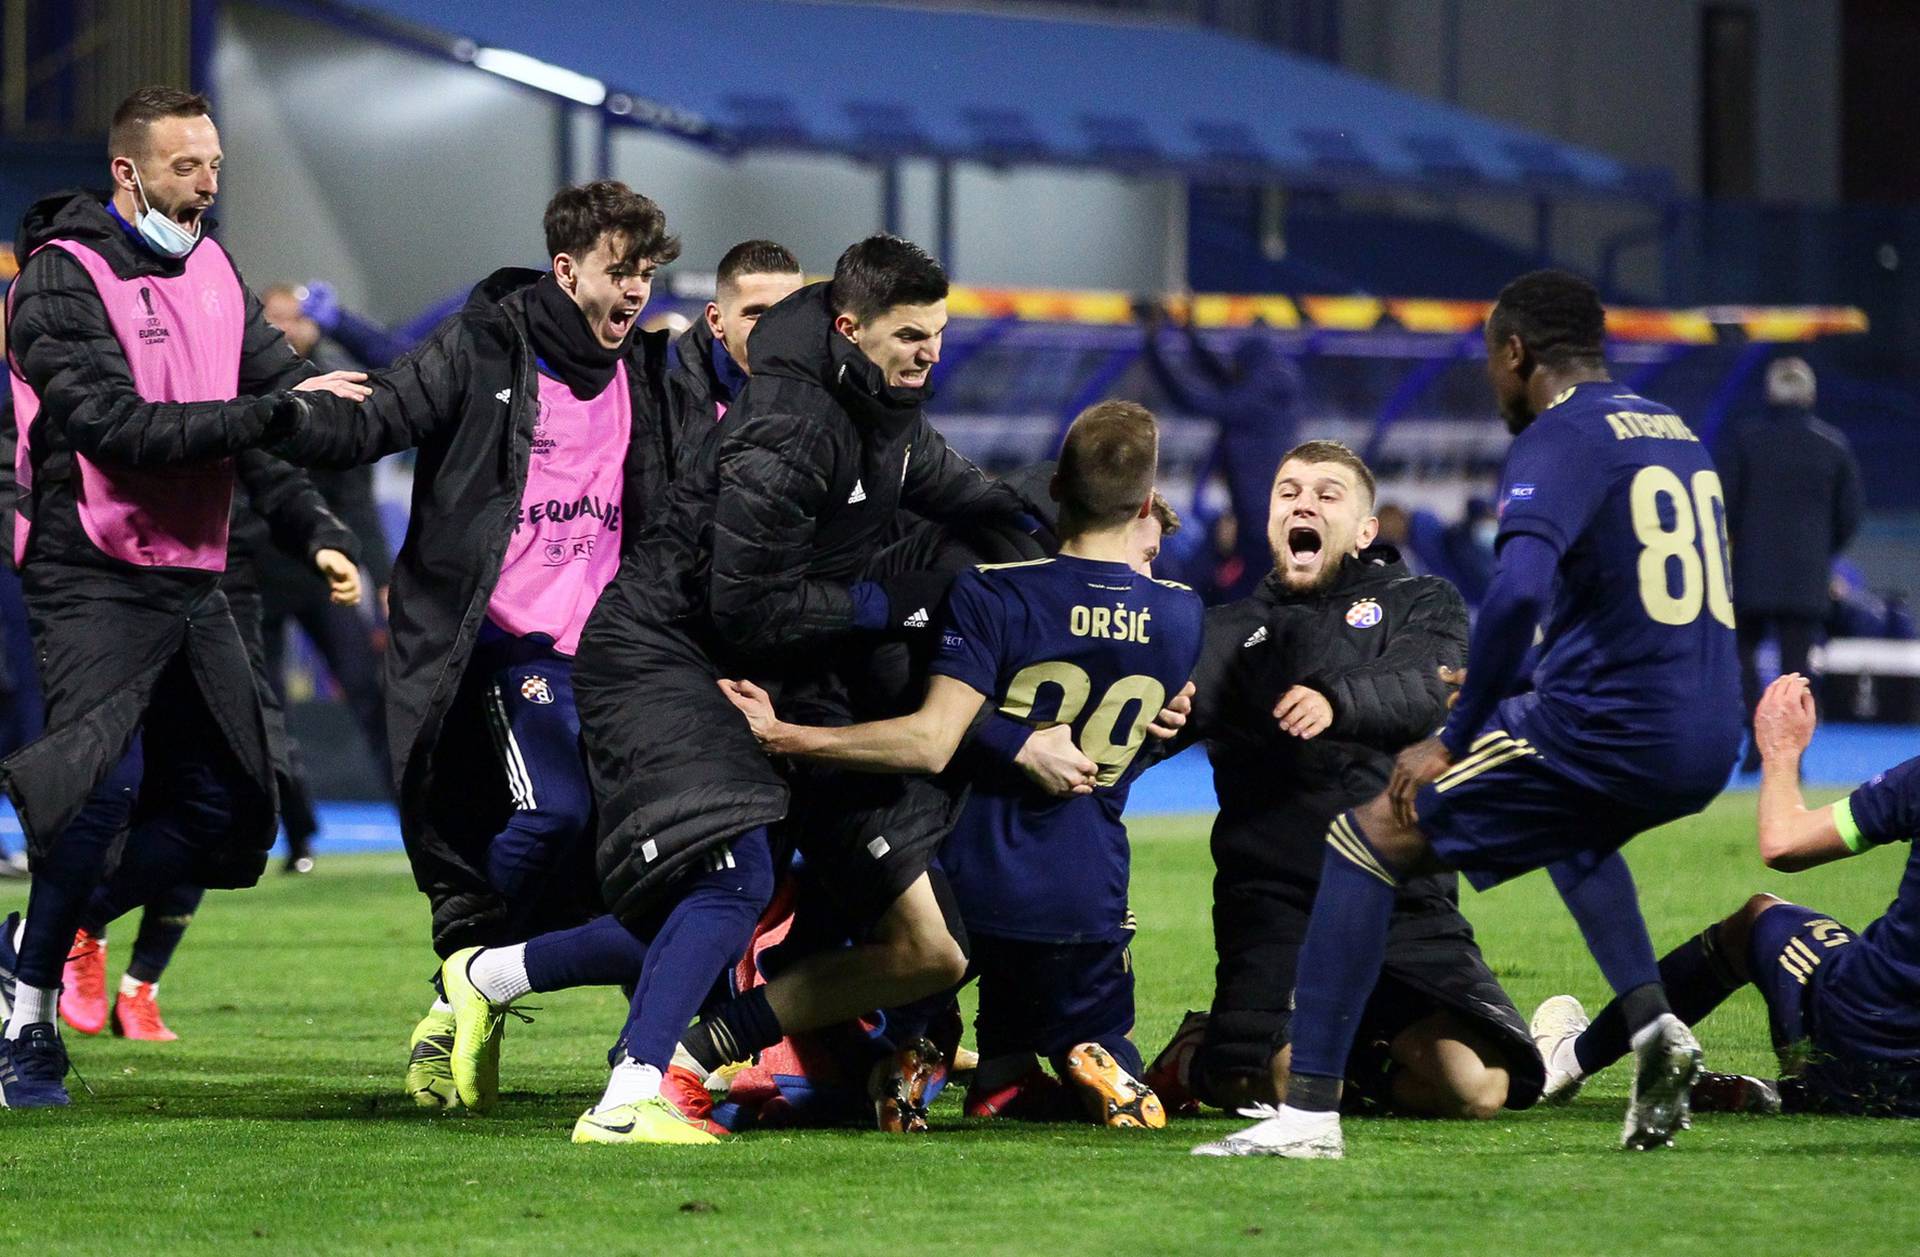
(1453, 679)
(1174, 715)
(1052, 761)
(756, 705)
(352, 385)
(343, 577)
(1414, 768)
(1783, 722)
(1303, 712)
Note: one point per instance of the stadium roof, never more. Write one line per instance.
(875, 81)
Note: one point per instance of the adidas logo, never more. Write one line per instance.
(504, 395)
(859, 493)
(919, 619)
(1259, 635)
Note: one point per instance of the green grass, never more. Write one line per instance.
(276, 1124)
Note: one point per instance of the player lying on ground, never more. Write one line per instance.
(1610, 538)
(1305, 690)
(1081, 641)
(1844, 1008)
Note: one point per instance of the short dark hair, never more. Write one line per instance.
(127, 136)
(577, 217)
(1557, 316)
(1332, 452)
(1107, 466)
(882, 272)
(755, 257)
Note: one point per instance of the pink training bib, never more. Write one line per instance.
(181, 336)
(566, 546)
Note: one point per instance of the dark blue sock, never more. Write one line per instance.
(1697, 977)
(704, 935)
(1339, 964)
(602, 952)
(70, 878)
(162, 926)
(1600, 895)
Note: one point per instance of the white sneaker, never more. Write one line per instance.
(1555, 1025)
(1666, 1061)
(1282, 1132)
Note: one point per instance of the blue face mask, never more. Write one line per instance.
(163, 235)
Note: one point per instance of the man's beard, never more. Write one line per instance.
(1321, 581)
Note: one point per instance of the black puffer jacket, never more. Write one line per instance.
(695, 393)
(791, 502)
(105, 629)
(808, 470)
(1373, 644)
(467, 399)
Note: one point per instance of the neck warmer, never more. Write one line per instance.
(564, 343)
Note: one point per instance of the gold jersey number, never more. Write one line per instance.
(1694, 548)
(1099, 739)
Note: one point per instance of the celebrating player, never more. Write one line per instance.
(769, 564)
(539, 413)
(1844, 1008)
(1080, 641)
(1612, 536)
(138, 363)
(1305, 690)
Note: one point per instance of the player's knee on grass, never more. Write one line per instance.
(1736, 932)
(1449, 1069)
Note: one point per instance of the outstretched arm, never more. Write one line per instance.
(1792, 838)
(923, 742)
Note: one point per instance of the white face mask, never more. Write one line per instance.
(162, 234)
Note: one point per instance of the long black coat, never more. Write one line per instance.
(467, 400)
(1793, 503)
(104, 630)
(791, 502)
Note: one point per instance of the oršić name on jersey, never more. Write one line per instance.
(1118, 623)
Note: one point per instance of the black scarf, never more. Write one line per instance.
(564, 343)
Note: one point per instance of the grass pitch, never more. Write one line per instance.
(276, 1124)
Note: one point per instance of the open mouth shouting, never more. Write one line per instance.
(1304, 548)
(619, 322)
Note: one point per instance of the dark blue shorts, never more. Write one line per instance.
(1788, 947)
(1046, 998)
(1503, 810)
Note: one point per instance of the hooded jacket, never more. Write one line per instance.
(806, 474)
(467, 399)
(106, 628)
(696, 393)
(1372, 642)
(789, 504)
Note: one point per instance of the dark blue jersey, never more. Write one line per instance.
(1877, 990)
(1639, 687)
(1076, 641)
